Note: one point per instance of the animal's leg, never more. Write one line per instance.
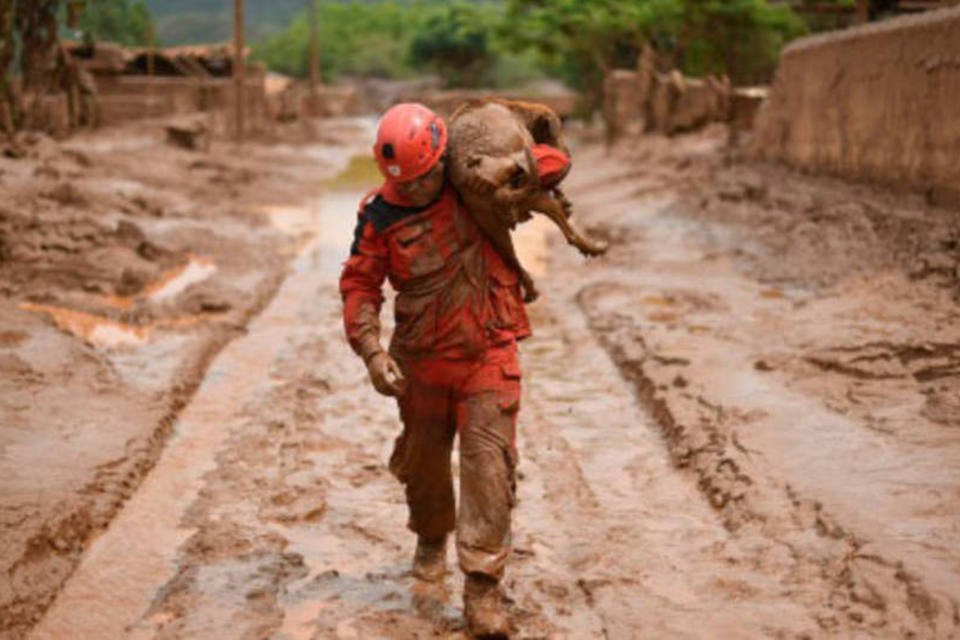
(530, 292)
(558, 212)
(500, 238)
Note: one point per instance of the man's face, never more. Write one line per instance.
(425, 189)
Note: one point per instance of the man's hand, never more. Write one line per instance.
(385, 375)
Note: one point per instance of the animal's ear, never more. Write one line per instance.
(545, 128)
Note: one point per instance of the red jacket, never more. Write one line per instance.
(455, 295)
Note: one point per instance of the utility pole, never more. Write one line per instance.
(238, 70)
(151, 68)
(314, 53)
(863, 11)
(152, 51)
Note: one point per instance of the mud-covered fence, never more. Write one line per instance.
(879, 102)
(122, 98)
(648, 100)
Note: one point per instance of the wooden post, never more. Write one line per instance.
(314, 53)
(863, 11)
(151, 52)
(238, 70)
(151, 70)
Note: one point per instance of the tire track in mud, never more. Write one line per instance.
(294, 529)
(848, 585)
(643, 551)
(287, 524)
(851, 587)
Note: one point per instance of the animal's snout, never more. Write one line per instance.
(519, 176)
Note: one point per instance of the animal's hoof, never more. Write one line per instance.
(593, 249)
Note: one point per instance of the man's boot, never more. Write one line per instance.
(483, 608)
(430, 559)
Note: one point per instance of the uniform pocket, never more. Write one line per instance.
(509, 393)
(416, 325)
(504, 297)
(414, 251)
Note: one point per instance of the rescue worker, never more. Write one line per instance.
(452, 362)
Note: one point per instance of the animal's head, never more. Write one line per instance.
(507, 178)
(491, 157)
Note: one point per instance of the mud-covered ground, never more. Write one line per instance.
(125, 265)
(740, 423)
(796, 341)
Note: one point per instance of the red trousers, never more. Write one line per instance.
(479, 399)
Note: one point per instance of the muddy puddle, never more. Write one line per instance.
(101, 331)
(129, 565)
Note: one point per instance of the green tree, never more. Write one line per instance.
(454, 42)
(582, 41)
(123, 21)
(739, 38)
(366, 39)
(402, 40)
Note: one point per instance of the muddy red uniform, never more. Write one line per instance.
(459, 314)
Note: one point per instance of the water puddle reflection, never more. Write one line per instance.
(170, 284)
(99, 331)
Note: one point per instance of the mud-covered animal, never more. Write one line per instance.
(492, 166)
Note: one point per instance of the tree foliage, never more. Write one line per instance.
(355, 39)
(455, 43)
(581, 41)
(124, 21)
(400, 40)
(489, 42)
(739, 38)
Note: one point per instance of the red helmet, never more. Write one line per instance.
(410, 140)
(552, 164)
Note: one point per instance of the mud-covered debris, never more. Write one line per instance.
(130, 234)
(14, 151)
(151, 252)
(79, 157)
(195, 137)
(68, 194)
(762, 365)
(144, 205)
(132, 282)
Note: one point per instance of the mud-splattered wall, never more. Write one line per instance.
(879, 102)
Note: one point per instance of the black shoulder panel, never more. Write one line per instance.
(358, 234)
(381, 214)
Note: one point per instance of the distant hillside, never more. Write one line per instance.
(195, 21)
(198, 21)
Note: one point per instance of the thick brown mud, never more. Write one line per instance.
(272, 513)
(713, 443)
(125, 266)
(803, 408)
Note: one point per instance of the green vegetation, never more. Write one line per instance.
(124, 21)
(479, 42)
(455, 43)
(500, 43)
(739, 38)
(206, 21)
(458, 41)
(582, 41)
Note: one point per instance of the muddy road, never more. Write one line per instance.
(689, 468)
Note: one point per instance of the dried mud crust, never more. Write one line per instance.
(749, 304)
(90, 229)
